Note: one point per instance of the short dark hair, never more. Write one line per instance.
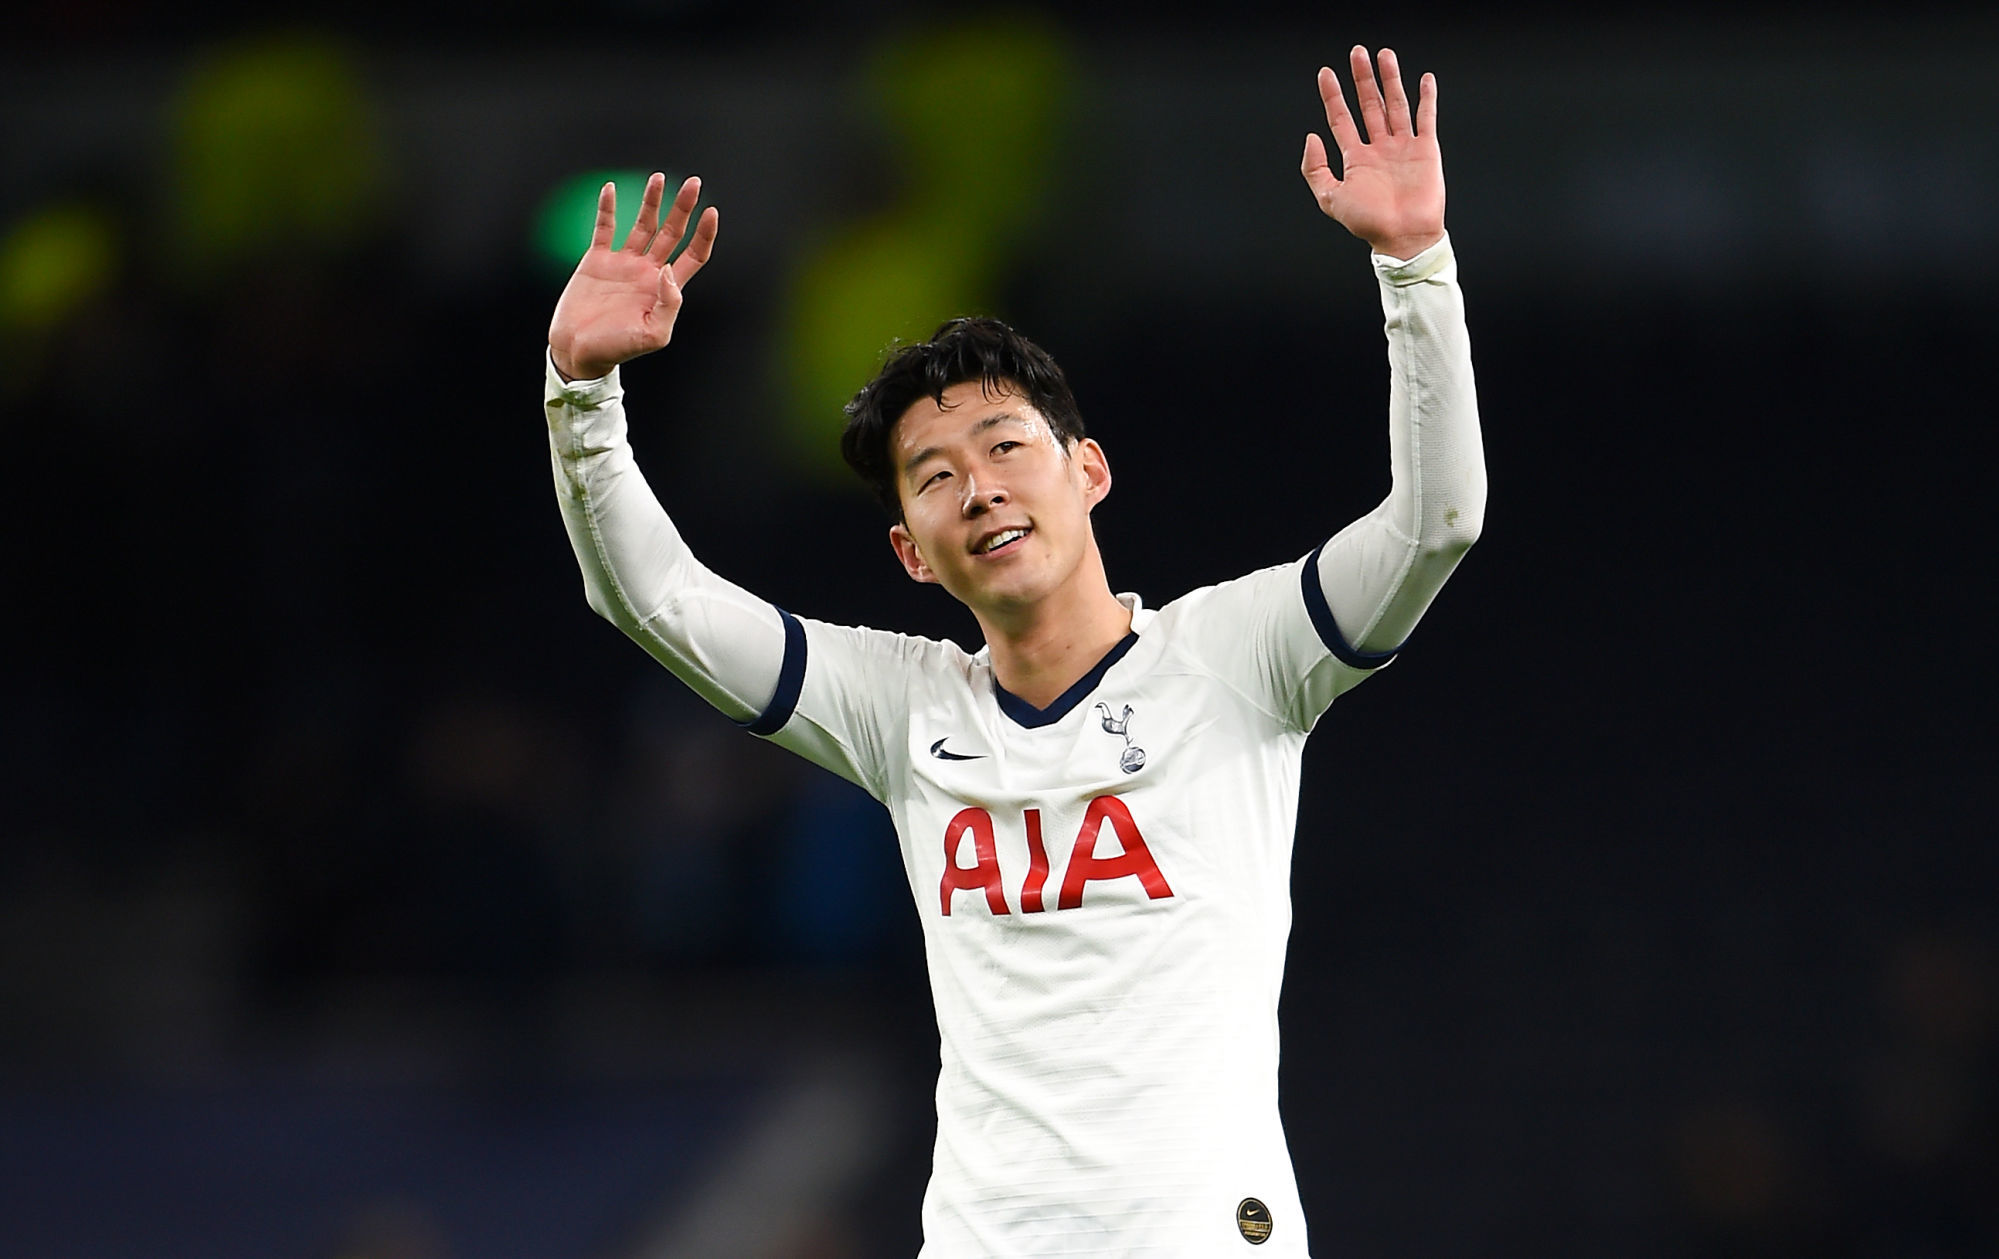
(967, 348)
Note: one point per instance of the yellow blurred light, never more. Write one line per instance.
(276, 149)
(52, 262)
(974, 110)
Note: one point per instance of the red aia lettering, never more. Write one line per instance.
(1037, 865)
(985, 874)
(1084, 864)
(1133, 859)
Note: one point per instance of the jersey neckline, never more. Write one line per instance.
(1026, 714)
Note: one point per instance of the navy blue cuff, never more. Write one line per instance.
(790, 681)
(1329, 631)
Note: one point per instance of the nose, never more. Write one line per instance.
(980, 499)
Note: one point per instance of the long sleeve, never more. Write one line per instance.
(1380, 573)
(725, 643)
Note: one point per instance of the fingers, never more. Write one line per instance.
(607, 217)
(675, 227)
(1372, 113)
(1426, 106)
(1345, 134)
(696, 255)
(1391, 88)
(647, 222)
(1317, 171)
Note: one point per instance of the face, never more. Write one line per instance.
(995, 509)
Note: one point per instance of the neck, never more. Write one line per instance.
(1039, 652)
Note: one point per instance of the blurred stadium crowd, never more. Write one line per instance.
(361, 894)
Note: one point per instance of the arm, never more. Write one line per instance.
(725, 643)
(1381, 572)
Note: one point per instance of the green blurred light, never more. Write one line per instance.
(568, 214)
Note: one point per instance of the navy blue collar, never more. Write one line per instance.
(1026, 714)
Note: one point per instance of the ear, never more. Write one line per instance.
(1093, 469)
(903, 543)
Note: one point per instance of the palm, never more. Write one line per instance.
(1391, 189)
(622, 303)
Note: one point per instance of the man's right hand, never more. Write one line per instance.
(621, 303)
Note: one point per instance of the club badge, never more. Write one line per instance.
(1133, 759)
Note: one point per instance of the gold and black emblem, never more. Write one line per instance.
(1253, 1218)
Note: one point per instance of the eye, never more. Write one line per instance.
(932, 479)
(1004, 446)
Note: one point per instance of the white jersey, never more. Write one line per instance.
(1103, 887)
(1103, 883)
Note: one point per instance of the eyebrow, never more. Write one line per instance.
(931, 452)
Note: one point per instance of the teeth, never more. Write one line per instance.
(1002, 538)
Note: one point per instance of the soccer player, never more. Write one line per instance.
(1096, 809)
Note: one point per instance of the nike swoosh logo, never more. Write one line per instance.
(937, 750)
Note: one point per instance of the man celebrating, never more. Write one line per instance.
(1096, 809)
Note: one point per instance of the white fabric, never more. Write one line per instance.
(637, 573)
(1380, 572)
(1108, 1081)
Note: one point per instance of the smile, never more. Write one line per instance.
(994, 543)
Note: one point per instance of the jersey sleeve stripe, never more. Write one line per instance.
(790, 681)
(1322, 621)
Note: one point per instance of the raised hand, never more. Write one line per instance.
(1390, 191)
(621, 303)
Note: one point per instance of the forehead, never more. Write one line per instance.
(969, 408)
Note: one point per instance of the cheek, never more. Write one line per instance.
(925, 539)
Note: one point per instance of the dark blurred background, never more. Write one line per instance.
(362, 894)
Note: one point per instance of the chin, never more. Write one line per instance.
(1004, 595)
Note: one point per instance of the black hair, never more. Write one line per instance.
(969, 348)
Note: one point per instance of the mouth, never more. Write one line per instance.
(1001, 540)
